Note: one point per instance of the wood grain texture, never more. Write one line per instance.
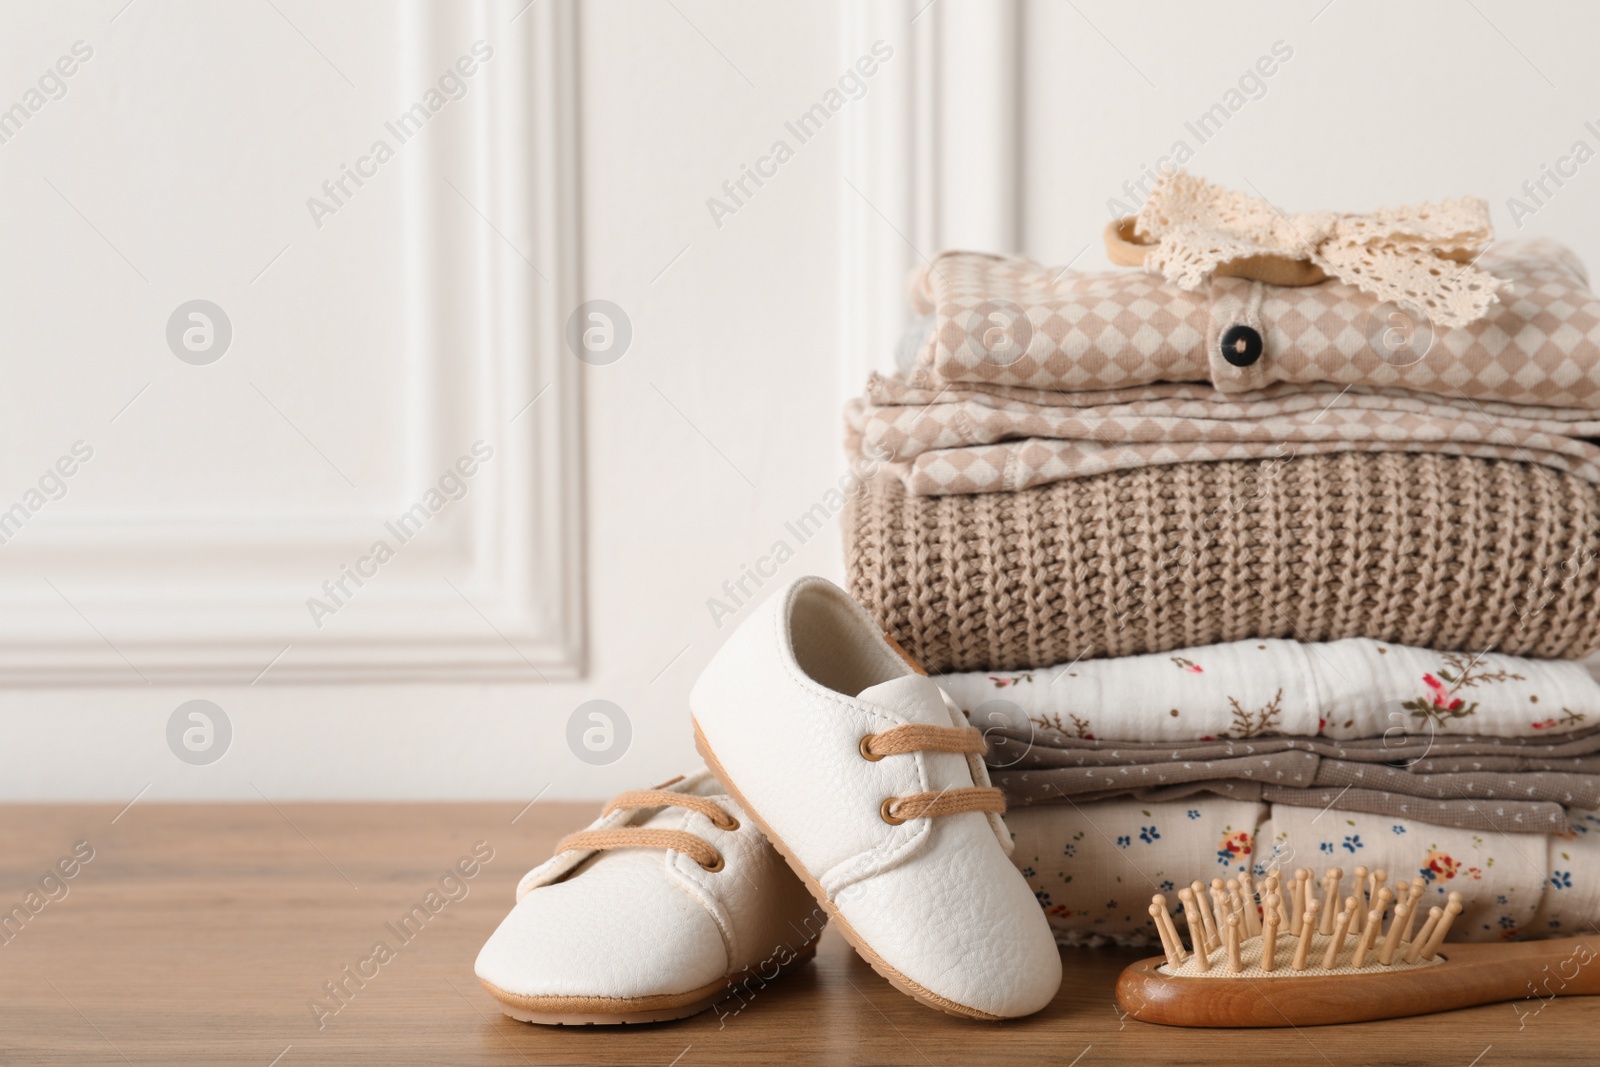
(199, 935)
(1470, 975)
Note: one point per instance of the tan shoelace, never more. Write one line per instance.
(692, 845)
(917, 737)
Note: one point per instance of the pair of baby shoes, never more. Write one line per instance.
(843, 784)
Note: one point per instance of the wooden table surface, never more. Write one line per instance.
(203, 933)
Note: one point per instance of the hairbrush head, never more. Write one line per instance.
(1344, 959)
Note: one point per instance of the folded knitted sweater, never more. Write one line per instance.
(1424, 550)
(1016, 322)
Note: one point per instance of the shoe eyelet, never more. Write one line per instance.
(727, 824)
(888, 816)
(867, 753)
(714, 868)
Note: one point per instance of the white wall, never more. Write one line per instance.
(408, 324)
(1381, 104)
(718, 425)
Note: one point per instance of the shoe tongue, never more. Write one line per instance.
(914, 697)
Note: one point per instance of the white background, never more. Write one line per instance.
(371, 351)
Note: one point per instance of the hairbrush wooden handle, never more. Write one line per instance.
(1526, 971)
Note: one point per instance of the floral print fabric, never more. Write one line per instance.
(1354, 688)
(1094, 866)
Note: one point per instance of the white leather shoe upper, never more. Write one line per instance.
(783, 708)
(647, 922)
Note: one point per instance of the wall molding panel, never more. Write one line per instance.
(933, 161)
(494, 590)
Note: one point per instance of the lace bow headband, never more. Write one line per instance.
(1422, 256)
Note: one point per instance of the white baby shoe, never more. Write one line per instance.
(870, 783)
(668, 903)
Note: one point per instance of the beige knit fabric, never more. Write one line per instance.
(1436, 551)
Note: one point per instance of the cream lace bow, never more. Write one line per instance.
(1420, 256)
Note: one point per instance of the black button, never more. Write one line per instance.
(1241, 346)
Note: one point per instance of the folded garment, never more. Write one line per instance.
(944, 438)
(1015, 322)
(1093, 866)
(1499, 816)
(1345, 689)
(1047, 745)
(1481, 800)
(1484, 783)
(916, 386)
(1424, 753)
(1424, 550)
(1302, 770)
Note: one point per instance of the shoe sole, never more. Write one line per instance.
(889, 973)
(625, 1011)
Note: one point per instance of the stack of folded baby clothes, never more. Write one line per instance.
(1237, 558)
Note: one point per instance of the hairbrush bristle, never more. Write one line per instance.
(1277, 927)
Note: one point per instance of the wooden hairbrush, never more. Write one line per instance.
(1277, 955)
